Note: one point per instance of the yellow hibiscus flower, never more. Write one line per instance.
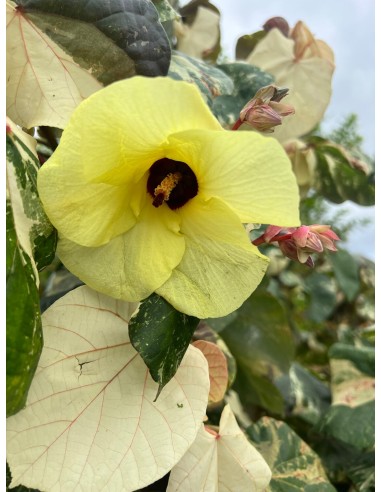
(148, 193)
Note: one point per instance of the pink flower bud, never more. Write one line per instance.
(265, 111)
(298, 243)
(263, 117)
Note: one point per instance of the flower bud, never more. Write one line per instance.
(264, 111)
(297, 243)
(279, 23)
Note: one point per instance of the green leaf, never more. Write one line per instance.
(27, 228)
(24, 333)
(351, 417)
(161, 336)
(362, 472)
(354, 426)
(247, 43)
(335, 178)
(294, 465)
(261, 342)
(306, 396)
(322, 290)
(346, 270)
(166, 11)
(362, 359)
(211, 81)
(22, 167)
(247, 81)
(132, 25)
(259, 390)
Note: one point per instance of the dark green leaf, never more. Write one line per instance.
(354, 426)
(260, 335)
(24, 333)
(322, 290)
(261, 342)
(161, 336)
(351, 418)
(346, 270)
(247, 43)
(114, 39)
(255, 389)
(211, 81)
(362, 472)
(294, 465)
(362, 358)
(306, 396)
(247, 79)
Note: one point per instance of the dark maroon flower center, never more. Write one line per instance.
(172, 182)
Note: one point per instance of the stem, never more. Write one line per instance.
(237, 124)
(278, 237)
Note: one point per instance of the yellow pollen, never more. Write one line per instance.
(167, 185)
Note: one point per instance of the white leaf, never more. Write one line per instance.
(90, 421)
(202, 36)
(44, 84)
(307, 78)
(220, 462)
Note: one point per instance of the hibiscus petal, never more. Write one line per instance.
(110, 142)
(132, 265)
(220, 267)
(251, 173)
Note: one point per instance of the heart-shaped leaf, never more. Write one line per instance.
(161, 336)
(218, 369)
(307, 76)
(60, 52)
(220, 461)
(199, 34)
(38, 235)
(294, 465)
(211, 81)
(90, 421)
(30, 245)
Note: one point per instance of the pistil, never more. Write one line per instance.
(163, 191)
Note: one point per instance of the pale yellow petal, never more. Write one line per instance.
(126, 125)
(132, 265)
(220, 267)
(250, 172)
(111, 141)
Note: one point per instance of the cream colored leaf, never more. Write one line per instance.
(202, 36)
(21, 188)
(308, 79)
(44, 84)
(303, 162)
(90, 421)
(218, 369)
(220, 462)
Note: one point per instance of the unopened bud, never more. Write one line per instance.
(264, 111)
(279, 23)
(263, 118)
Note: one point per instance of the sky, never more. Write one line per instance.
(348, 26)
